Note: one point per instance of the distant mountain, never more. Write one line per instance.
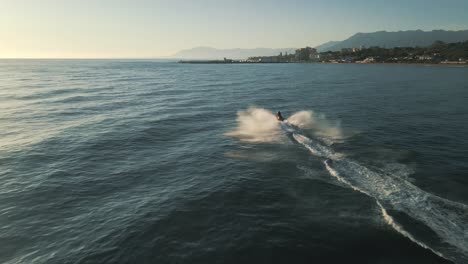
(212, 53)
(411, 38)
(326, 46)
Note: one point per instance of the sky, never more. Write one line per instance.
(160, 28)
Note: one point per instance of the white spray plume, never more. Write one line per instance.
(257, 125)
(320, 126)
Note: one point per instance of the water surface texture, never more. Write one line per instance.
(107, 161)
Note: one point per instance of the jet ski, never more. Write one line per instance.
(279, 116)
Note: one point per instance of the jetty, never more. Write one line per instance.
(228, 61)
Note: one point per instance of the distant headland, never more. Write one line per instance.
(384, 39)
(431, 47)
(438, 53)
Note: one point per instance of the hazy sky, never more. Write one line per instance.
(157, 28)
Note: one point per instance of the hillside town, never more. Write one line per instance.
(438, 53)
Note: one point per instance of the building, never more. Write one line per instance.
(368, 60)
(425, 57)
(305, 54)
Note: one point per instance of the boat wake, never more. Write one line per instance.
(392, 193)
(445, 218)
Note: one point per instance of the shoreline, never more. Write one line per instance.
(369, 63)
(402, 63)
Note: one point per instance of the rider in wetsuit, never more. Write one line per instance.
(279, 116)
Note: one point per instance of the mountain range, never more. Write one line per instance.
(384, 39)
(410, 38)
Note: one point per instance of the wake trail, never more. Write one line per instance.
(446, 218)
(391, 191)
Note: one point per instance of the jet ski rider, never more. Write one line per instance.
(279, 116)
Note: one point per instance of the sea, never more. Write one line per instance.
(153, 161)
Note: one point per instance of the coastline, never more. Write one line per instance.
(463, 65)
(400, 63)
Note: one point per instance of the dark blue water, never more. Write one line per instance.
(107, 161)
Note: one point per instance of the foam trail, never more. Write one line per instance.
(446, 218)
(388, 218)
(316, 148)
(327, 131)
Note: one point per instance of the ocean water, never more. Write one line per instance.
(108, 161)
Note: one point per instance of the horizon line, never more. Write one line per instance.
(89, 58)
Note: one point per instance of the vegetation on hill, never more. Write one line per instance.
(437, 52)
(410, 38)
